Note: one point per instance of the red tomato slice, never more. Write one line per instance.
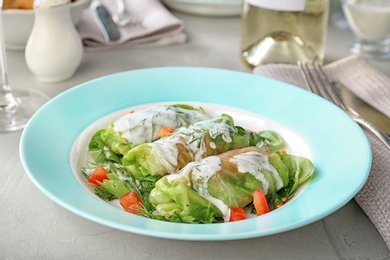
(165, 131)
(237, 214)
(260, 202)
(98, 175)
(131, 202)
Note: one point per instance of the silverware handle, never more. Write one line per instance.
(376, 131)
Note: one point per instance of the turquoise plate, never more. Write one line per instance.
(338, 147)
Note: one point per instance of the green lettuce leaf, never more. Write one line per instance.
(99, 150)
(114, 185)
(301, 170)
(115, 141)
(270, 139)
(176, 201)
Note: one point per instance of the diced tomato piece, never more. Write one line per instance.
(260, 202)
(165, 131)
(131, 202)
(98, 175)
(237, 214)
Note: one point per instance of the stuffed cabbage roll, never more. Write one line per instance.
(140, 127)
(187, 144)
(205, 191)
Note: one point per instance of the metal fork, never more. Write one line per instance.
(318, 83)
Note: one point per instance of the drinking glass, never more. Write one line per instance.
(17, 106)
(370, 22)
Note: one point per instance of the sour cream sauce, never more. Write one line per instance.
(198, 174)
(142, 126)
(253, 162)
(193, 138)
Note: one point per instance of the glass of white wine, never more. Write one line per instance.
(16, 106)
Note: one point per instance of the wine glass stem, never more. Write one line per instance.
(7, 100)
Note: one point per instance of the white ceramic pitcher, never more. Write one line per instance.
(54, 49)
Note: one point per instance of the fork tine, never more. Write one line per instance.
(308, 77)
(318, 83)
(327, 87)
(311, 78)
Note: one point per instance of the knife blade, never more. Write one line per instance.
(104, 21)
(367, 111)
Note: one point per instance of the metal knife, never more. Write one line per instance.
(367, 111)
(104, 21)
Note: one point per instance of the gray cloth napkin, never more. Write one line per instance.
(373, 87)
(157, 27)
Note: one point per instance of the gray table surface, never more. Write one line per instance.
(34, 227)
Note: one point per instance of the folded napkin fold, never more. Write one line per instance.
(373, 87)
(157, 27)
